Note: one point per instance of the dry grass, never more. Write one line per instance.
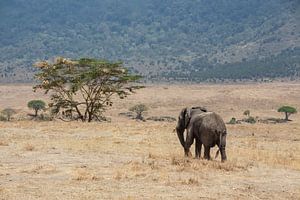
(126, 159)
(40, 169)
(84, 175)
(118, 176)
(3, 143)
(29, 147)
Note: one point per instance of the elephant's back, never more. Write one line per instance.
(211, 120)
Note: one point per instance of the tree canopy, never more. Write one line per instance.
(82, 89)
(36, 105)
(288, 110)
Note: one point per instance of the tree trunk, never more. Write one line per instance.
(139, 116)
(36, 113)
(286, 116)
(90, 116)
(79, 114)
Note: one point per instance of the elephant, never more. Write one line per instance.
(181, 126)
(205, 127)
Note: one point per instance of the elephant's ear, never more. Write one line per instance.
(181, 118)
(182, 114)
(187, 117)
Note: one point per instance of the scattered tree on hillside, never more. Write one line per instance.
(36, 105)
(139, 110)
(82, 89)
(288, 110)
(8, 113)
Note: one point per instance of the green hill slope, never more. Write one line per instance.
(161, 39)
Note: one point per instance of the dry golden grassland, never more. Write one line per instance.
(126, 159)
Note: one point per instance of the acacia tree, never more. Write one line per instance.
(82, 89)
(288, 110)
(36, 105)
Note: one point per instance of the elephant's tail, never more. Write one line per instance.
(219, 145)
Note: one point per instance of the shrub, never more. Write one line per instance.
(8, 113)
(247, 113)
(2, 118)
(139, 110)
(250, 120)
(232, 121)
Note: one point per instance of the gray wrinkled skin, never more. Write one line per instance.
(205, 128)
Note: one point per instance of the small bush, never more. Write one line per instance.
(139, 110)
(247, 113)
(250, 120)
(3, 118)
(8, 113)
(45, 117)
(232, 121)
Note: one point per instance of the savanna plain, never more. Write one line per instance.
(129, 159)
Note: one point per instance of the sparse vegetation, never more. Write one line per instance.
(29, 147)
(3, 143)
(139, 109)
(162, 119)
(247, 113)
(36, 105)
(2, 118)
(82, 89)
(288, 110)
(83, 174)
(250, 120)
(232, 121)
(127, 114)
(7, 113)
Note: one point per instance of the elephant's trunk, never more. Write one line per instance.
(180, 132)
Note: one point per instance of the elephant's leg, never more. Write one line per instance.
(223, 154)
(207, 152)
(198, 149)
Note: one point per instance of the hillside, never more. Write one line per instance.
(165, 40)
